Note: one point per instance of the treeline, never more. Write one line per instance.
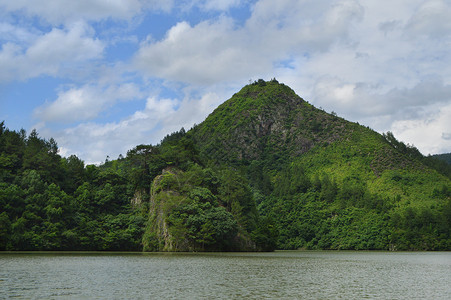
(441, 163)
(49, 202)
(446, 157)
(53, 203)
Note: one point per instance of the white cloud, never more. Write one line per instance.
(85, 103)
(219, 4)
(430, 132)
(363, 100)
(209, 5)
(15, 34)
(216, 51)
(94, 141)
(385, 65)
(50, 53)
(204, 54)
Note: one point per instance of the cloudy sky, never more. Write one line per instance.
(102, 76)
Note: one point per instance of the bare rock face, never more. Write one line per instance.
(138, 198)
(158, 236)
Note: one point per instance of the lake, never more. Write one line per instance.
(276, 275)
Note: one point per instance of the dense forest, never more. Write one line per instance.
(266, 170)
(53, 203)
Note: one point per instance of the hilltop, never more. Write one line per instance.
(265, 120)
(328, 182)
(265, 170)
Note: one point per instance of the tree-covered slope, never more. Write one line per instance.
(446, 157)
(52, 203)
(200, 210)
(157, 198)
(328, 182)
(265, 121)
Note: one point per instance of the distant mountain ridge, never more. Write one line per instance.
(445, 157)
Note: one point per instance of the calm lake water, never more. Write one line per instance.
(277, 275)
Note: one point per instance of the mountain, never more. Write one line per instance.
(328, 182)
(266, 121)
(265, 170)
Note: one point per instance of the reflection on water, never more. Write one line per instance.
(277, 275)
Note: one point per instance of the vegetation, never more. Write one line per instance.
(199, 210)
(265, 170)
(446, 157)
(54, 203)
(328, 183)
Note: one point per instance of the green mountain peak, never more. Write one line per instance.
(301, 160)
(266, 118)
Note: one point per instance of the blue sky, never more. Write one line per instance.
(102, 76)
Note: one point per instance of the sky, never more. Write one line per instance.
(102, 76)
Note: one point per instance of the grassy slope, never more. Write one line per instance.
(385, 170)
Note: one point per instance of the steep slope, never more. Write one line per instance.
(266, 120)
(328, 182)
(194, 210)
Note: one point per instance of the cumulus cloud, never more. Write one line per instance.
(15, 34)
(93, 141)
(203, 54)
(218, 50)
(85, 103)
(388, 68)
(56, 51)
(363, 100)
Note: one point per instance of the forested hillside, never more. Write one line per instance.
(53, 203)
(329, 183)
(265, 170)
